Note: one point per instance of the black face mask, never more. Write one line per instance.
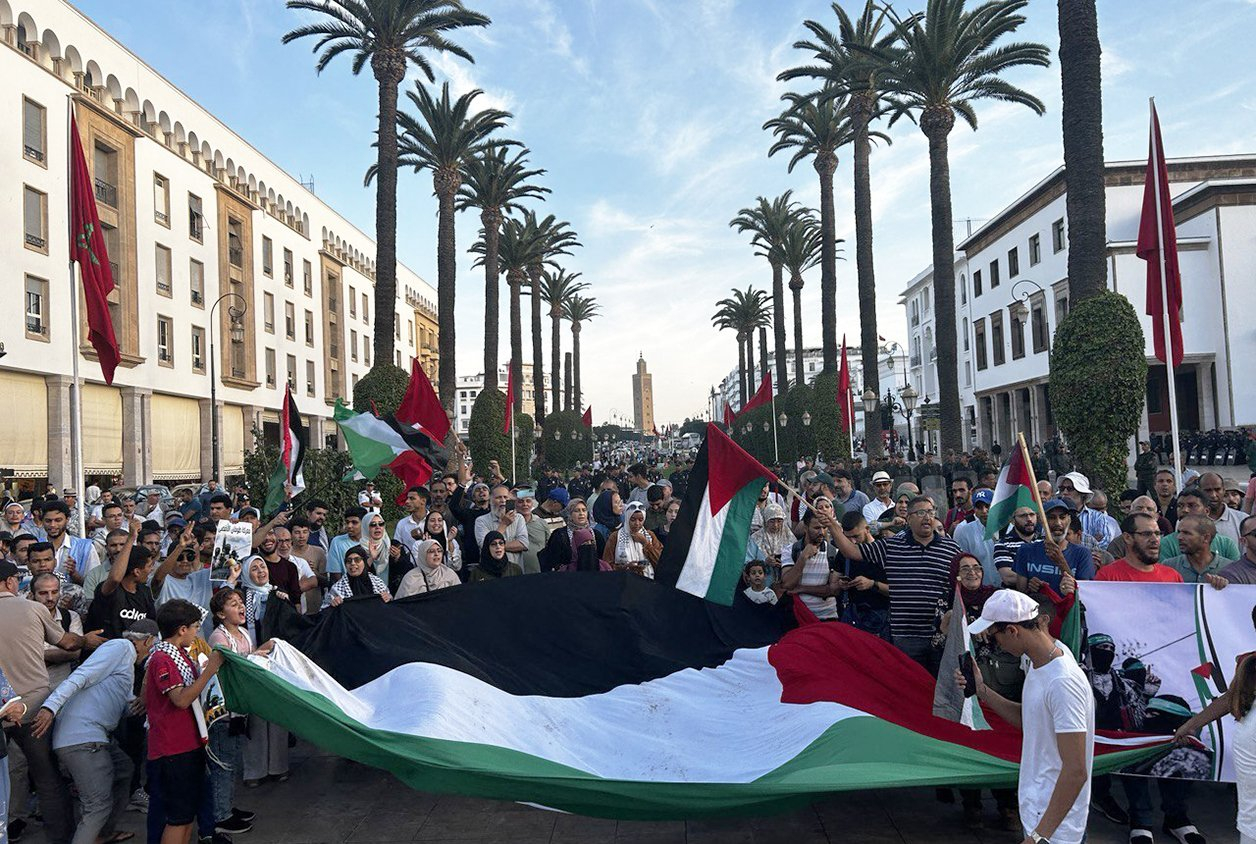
(1101, 659)
(1138, 677)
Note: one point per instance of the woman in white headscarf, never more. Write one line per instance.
(387, 560)
(430, 574)
(771, 541)
(631, 546)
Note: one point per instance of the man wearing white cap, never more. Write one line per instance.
(1098, 526)
(882, 485)
(1056, 715)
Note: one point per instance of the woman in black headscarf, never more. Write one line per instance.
(493, 560)
(356, 581)
(607, 513)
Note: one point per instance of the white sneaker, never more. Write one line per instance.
(139, 801)
(1141, 836)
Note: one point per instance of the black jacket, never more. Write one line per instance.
(557, 550)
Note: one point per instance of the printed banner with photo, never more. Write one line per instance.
(1157, 653)
(233, 544)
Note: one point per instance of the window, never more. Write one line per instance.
(976, 283)
(309, 328)
(165, 341)
(196, 218)
(235, 242)
(1035, 250)
(996, 337)
(353, 345)
(1013, 262)
(924, 300)
(1018, 331)
(979, 339)
(105, 173)
(270, 367)
(309, 378)
(355, 382)
(161, 199)
(34, 131)
(35, 213)
(292, 372)
(163, 270)
(268, 312)
(353, 301)
(915, 312)
(963, 289)
(307, 277)
(366, 349)
(1061, 306)
(113, 246)
(332, 284)
(268, 256)
(366, 311)
(36, 296)
(1038, 324)
(396, 327)
(290, 320)
(1057, 235)
(994, 274)
(287, 267)
(410, 332)
(196, 281)
(198, 349)
(966, 343)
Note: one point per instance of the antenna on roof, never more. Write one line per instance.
(309, 186)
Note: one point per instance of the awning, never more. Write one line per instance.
(176, 437)
(24, 442)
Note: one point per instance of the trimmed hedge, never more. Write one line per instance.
(487, 442)
(566, 451)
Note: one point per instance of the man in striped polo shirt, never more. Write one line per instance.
(917, 565)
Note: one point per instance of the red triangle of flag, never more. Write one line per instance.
(729, 468)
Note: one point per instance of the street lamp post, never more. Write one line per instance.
(908, 395)
(236, 316)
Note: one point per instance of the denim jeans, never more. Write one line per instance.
(4, 800)
(54, 797)
(920, 649)
(222, 777)
(1174, 794)
(102, 774)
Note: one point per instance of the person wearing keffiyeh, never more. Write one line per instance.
(631, 546)
(357, 580)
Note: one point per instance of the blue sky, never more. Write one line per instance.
(647, 115)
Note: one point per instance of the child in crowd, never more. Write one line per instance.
(756, 577)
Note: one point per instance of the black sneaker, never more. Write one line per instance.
(1184, 831)
(233, 826)
(243, 814)
(16, 828)
(1110, 809)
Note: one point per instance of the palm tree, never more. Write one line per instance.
(518, 246)
(814, 127)
(442, 138)
(767, 222)
(391, 35)
(556, 288)
(1085, 200)
(495, 183)
(554, 238)
(841, 64)
(576, 310)
(744, 312)
(944, 62)
(800, 251)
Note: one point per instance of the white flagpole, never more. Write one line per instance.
(850, 421)
(76, 385)
(776, 449)
(1164, 307)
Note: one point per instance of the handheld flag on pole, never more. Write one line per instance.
(587, 418)
(421, 407)
(376, 442)
(87, 248)
(510, 399)
(1015, 489)
(287, 480)
(729, 417)
(761, 396)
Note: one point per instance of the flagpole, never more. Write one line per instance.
(514, 463)
(1158, 152)
(76, 385)
(850, 422)
(1047, 538)
(776, 449)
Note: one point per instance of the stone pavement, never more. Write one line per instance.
(330, 800)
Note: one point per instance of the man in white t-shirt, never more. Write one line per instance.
(409, 529)
(808, 571)
(1056, 715)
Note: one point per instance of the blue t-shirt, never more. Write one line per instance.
(1031, 562)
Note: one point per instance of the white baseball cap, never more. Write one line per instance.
(1007, 606)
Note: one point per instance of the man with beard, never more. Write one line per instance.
(46, 590)
(470, 508)
(1142, 554)
(1225, 517)
(316, 511)
(1043, 562)
(75, 556)
(124, 596)
(504, 519)
(1024, 528)
(1197, 563)
(1164, 489)
(112, 517)
(275, 548)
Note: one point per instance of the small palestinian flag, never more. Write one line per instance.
(670, 707)
(287, 480)
(376, 442)
(1014, 490)
(706, 548)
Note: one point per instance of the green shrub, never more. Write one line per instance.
(324, 470)
(1098, 385)
(831, 441)
(565, 451)
(486, 440)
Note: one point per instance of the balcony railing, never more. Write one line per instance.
(107, 193)
(36, 241)
(163, 286)
(35, 325)
(33, 153)
(235, 255)
(196, 226)
(198, 298)
(162, 217)
(163, 355)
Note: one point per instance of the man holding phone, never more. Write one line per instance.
(502, 518)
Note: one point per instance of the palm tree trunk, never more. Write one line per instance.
(567, 381)
(868, 337)
(741, 369)
(514, 279)
(492, 221)
(763, 352)
(795, 286)
(778, 326)
(556, 355)
(446, 280)
(825, 165)
(1083, 149)
(750, 382)
(936, 127)
(386, 224)
(538, 355)
(577, 397)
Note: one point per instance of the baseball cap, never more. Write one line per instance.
(1058, 504)
(144, 626)
(1006, 606)
(525, 492)
(560, 495)
(7, 570)
(823, 478)
(983, 496)
(879, 477)
(1081, 483)
(177, 521)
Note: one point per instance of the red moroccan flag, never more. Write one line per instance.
(843, 388)
(421, 407)
(87, 248)
(1154, 239)
(510, 398)
(729, 418)
(587, 419)
(761, 396)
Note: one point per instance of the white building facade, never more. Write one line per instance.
(470, 386)
(210, 242)
(1012, 291)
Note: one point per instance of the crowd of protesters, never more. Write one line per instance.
(108, 629)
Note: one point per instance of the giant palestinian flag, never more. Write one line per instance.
(706, 548)
(611, 695)
(377, 441)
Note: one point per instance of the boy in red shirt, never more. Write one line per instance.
(1142, 554)
(172, 688)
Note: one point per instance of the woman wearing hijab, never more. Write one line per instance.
(561, 549)
(444, 535)
(493, 560)
(356, 581)
(607, 513)
(430, 574)
(266, 751)
(632, 546)
(387, 560)
(772, 540)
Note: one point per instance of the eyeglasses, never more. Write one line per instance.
(976, 569)
(928, 513)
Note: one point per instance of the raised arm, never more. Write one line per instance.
(118, 570)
